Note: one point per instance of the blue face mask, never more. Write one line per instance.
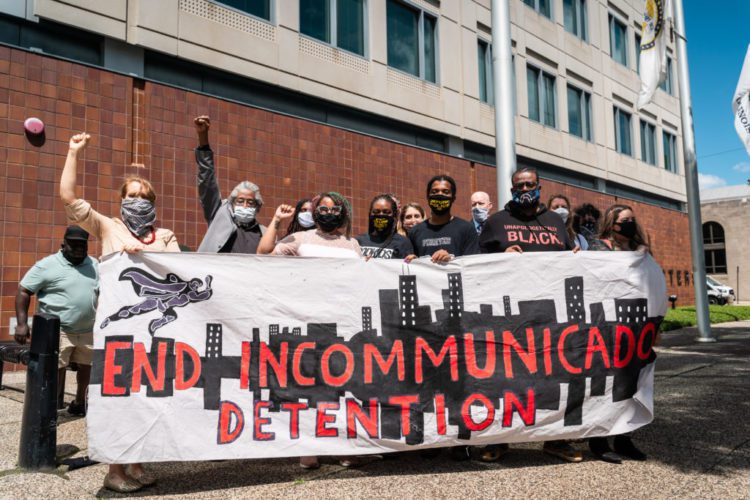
(526, 199)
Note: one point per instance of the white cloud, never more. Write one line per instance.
(709, 181)
(743, 167)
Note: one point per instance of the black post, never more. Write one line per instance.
(39, 424)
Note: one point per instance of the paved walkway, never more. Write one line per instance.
(698, 446)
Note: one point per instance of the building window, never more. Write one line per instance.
(484, 56)
(670, 151)
(412, 40)
(574, 17)
(544, 7)
(714, 247)
(667, 84)
(541, 90)
(638, 53)
(338, 22)
(258, 8)
(579, 113)
(648, 143)
(623, 132)
(618, 40)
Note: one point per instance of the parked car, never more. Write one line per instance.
(718, 293)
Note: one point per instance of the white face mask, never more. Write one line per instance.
(479, 214)
(244, 215)
(562, 212)
(305, 219)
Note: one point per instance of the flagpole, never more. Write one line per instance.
(502, 77)
(691, 181)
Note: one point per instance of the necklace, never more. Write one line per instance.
(150, 240)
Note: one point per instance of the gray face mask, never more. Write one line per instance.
(305, 219)
(479, 214)
(562, 212)
(244, 215)
(138, 215)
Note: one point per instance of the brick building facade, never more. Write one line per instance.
(145, 128)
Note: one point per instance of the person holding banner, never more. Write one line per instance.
(525, 225)
(232, 223)
(331, 238)
(408, 217)
(443, 237)
(302, 218)
(133, 232)
(620, 232)
(560, 204)
(382, 241)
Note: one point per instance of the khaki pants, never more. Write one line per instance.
(76, 348)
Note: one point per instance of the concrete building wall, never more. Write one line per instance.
(146, 128)
(734, 217)
(208, 32)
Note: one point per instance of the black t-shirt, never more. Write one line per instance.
(457, 237)
(243, 240)
(543, 232)
(397, 248)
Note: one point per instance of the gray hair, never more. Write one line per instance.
(249, 186)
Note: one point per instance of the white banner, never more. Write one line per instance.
(653, 58)
(741, 104)
(202, 357)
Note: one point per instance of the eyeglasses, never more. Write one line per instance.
(526, 184)
(323, 210)
(245, 202)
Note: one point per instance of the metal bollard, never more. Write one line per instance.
(39, 423)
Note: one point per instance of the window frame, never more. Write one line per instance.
(618, 145)
(669, 143)
(586, 113)
(333, 23)
(271, 11)
(536, 8)
(614, 18)
(644, 126)
(420, 42)
(668, 84)
(488, 74)
(580, 8)
(714, 245)
(540, 86)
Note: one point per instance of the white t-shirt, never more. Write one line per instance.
(318, 244)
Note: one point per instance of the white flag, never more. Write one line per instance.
(741, 104)
(653, 61)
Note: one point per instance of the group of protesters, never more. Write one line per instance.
(66, 283)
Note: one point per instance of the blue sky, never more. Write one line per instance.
(715, 53)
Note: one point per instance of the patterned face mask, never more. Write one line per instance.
(138, 215)
(526, 199)
(439, 203)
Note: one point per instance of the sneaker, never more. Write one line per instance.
(493, 452)
(625, 447)
(563, 450)
(600, 448)
(77, 409)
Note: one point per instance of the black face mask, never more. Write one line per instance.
(589, 227)
(627, 229)
(328, 222)
(381, 224)
(439, 203)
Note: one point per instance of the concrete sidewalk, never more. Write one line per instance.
(698, 447)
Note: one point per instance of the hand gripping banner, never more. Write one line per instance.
(202, 357)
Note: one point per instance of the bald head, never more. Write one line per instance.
(481, 199)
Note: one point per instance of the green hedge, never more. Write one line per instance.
(685, 316)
